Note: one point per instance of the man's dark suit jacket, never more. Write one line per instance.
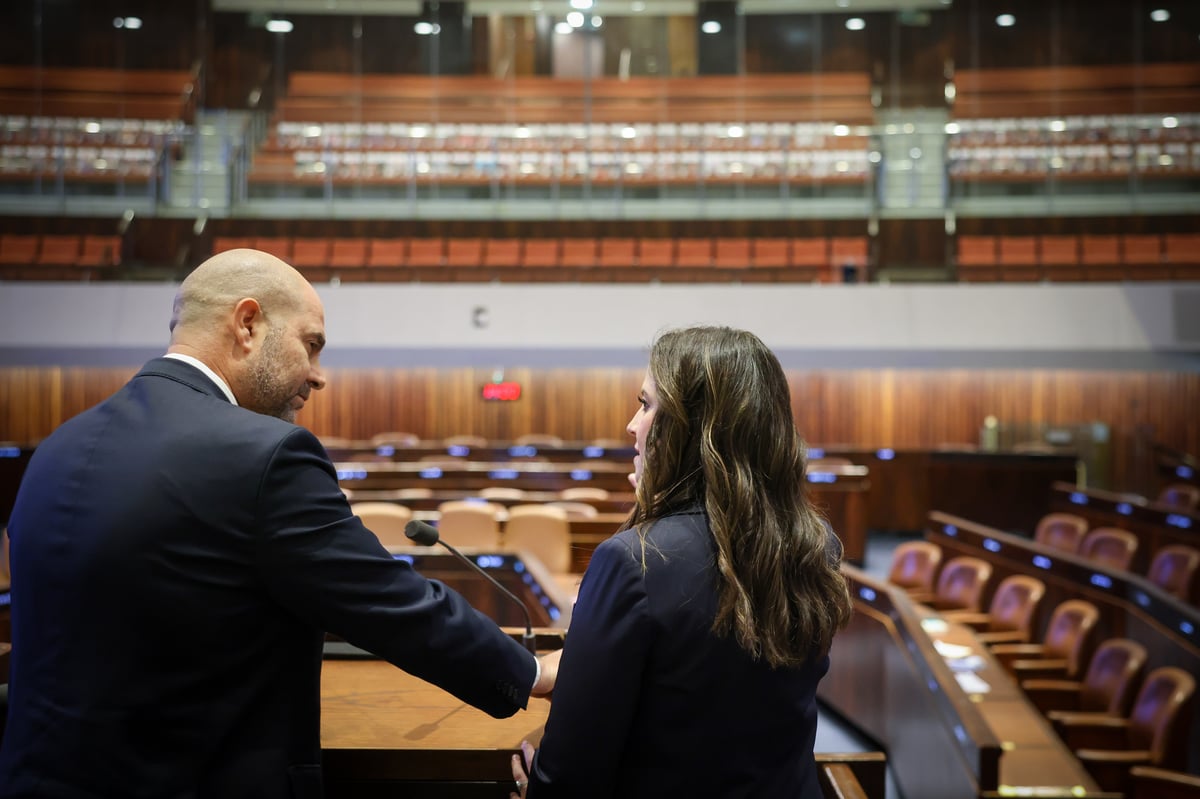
(176, 560)
(650, 703)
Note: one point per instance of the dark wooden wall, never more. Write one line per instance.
(866, 408)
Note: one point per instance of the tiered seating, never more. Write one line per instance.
(1097, 123)
(58, 256)
(383, 129)
(439, 258)
(91, 125)
(1069, 257)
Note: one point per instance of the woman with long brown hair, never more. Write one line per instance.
(703, 627)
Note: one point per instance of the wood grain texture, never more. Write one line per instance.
(904, 409)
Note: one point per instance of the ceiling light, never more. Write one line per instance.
(1058, 126)
(952, 128)
(628, 132)
(711, 26)
(1160, 15)
(841, 130)
(562, 28)
(575, 19)
(582, 5)
(597, 20)
(1170, 122)
(426, 28)
(1006, 20)
(855, 24)
(736, 132)
(279, 26)
(133, 23)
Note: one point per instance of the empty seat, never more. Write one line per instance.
(694, 252)
(1109, 546)
(850, 251)
(914, 567)
(462, 523)
(1142, 255)
(1062, 531)
(1108, 686)
(348, 253)
(279, 246)
(1018, 258)
(1174, 568)
(579, 252)
(1154, 734)
(503, 493)
(773, 253)
(812, 252)
(19, 250)
(618, 252)
(961, 583)
(308, 252)
(1011, 613)
(100, 252)
(386, 521)
(656, 252)
(732, 253)
(977, 258)
(1059, 257)
(427, 252)
(1180, 495)
(395, 438)
(1182, 252)
(224, 243)
(502, 252)
(384, 253)
(540, 253)
(543, 531)
(539, 440)
(583, 493)
(1147, 782)
(463, 252)
(576, 510)
(1101, 257)
(59, 250)
(1064, 647)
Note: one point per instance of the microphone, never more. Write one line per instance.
(426, 535)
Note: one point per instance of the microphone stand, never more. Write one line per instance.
(427, 535)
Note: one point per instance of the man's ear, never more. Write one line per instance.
(248, 322)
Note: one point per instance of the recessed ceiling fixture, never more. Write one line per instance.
(711, 26)
(1160, 15)
(1006, 20)
(855, 24)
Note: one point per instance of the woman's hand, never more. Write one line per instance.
(519, 770)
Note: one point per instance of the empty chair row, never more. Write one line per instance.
(1083, 257)
(732, 253)
(57, 257)
(543, 530)
(916, 565)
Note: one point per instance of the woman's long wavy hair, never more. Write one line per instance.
(723, 437)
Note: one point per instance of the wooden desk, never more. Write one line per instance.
(474, 475)
(494, 452)
(1130, 606)
(840, 492)
(1004, 489)
(888, 679)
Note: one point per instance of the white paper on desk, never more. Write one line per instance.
(947, 650)
(972, 683)
(969, 663)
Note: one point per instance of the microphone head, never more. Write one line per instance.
(422, 533)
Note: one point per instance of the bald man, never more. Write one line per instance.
(178, 552)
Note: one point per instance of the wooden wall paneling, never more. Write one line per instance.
(901, 409)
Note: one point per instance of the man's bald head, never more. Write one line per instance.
(257, 324)
(214, 287)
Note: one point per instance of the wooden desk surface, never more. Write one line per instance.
(372, 705)
(888, 679)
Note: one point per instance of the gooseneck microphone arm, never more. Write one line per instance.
(427, 535)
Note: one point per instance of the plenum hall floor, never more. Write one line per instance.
(834, 734)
